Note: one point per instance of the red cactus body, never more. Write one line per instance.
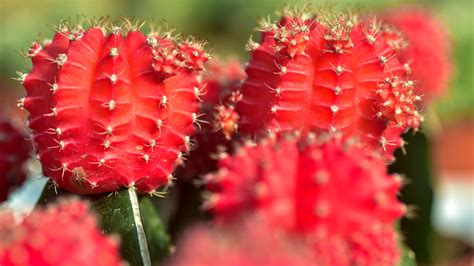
(251, 243)
(243, 182)
(61, 234)
(222, 79)
(326, 75)
(222, 95)
(333, 193)
(428, 51)
(113, 110)
(14, 151)
(219, 97)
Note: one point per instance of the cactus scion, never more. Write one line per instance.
(112, 109)
(318, 72)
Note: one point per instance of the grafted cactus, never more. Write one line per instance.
(321, 72)
(112, 108)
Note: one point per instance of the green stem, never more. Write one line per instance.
(145, 254)
(144, 240)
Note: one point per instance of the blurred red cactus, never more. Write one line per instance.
(14, 151)
(218, 99)
(61, 234)
(428, 51)
(248, 244)
(332, 193)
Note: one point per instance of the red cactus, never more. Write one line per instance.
(112, 110)
(333, 193)
(222, 79)
(322, 74)
(428, 51)
(249, 244)
(242, 182)
(14, 150)
(61, 234)
(222, 95)
(219, 97)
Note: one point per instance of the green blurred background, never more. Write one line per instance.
(227, 25)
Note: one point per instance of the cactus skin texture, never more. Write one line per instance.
(14, 151)
(249, 243)
(218, 100)
(60, 234)
(331, 193)
(112, 110)
(315, 73)
(429, 49)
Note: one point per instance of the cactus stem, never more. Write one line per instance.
(139, 226)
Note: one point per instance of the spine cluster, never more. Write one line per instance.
(428, 50)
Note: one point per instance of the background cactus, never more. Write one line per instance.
(14, 151)
(218, 98)
(65, 233)
(430, 64)
(333, 194)
(249, 243)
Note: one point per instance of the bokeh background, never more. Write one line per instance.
(440, 160)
